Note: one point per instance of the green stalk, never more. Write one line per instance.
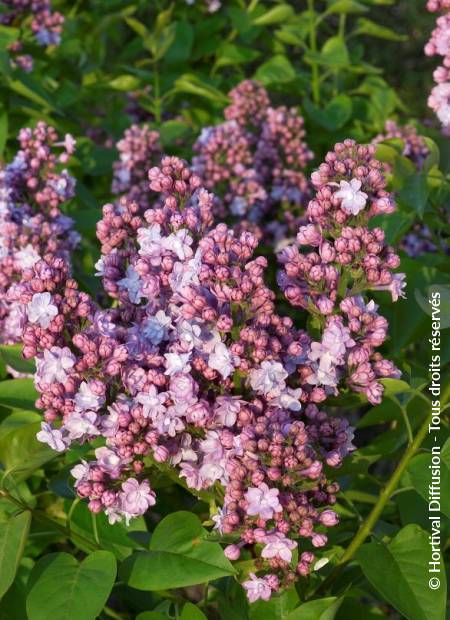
(313, 47)
(386, 493)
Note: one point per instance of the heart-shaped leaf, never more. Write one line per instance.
(61, 588)
(178, 557)
(13, 534)
(399, 571)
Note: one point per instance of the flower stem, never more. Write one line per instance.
(385, 494)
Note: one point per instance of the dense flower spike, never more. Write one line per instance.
(337, 259)
(439, 44)
(139, 149)
(255, 160)
(32, 189)
(46, 26)
(190, 368)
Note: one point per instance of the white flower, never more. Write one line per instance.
(41, 310)
(169, 422)
(80, 472)
(79, 424)
(324, 372)
(152, 402)
(269, 378)
(54, 364)
(108, 461)
(278, 546)
(27, 257)
(86, 399)
(132, 284)
(186, 273)
(177, 362)
(179, 243)
(100, 267)
(221, 360)
(353, 200)
(155, 328)
(289, 399)
(52, 437)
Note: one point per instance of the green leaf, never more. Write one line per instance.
(8, 35)
(12, 356)
(420, 472)
(414, 193)
(370, 28)
(275, 71)
(60, 588)
(335, 114)
(395, 386)
(345, 6)
(13, 535)
(230, 54)
(151, 615)
(434, 155)
(321, 609)
(181, 48)
(190, 83)
(334, 52)
(192, 612)
(278, 14)
(137, 26)
(18, 394)
(21, 453)
(172, 130)
(178, 557)
(277, 608)
(399, 572)
(125, 83)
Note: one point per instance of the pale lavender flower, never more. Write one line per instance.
(41, 310)
(263, 501)
(54, 365)
(353, 200)
(51, 436)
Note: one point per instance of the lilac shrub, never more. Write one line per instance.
(190, 368)
(336, 261)
(33, 227)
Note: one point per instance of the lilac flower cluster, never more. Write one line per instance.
(139, 149)
(190, 368)
(256, 158)
(32, 190)
(46, 26)
(439, 44)
(337, 259)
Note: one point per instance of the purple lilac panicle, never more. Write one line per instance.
(32, 190)
(191, 368)
(336, 260)
(255, 160)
